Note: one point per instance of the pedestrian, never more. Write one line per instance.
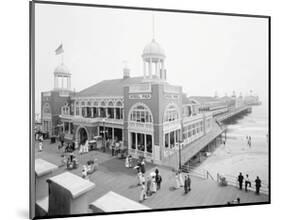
(127, 162)
(61, 139)
(240, 180)
(181, 181)
(148, 186)
(177, 180)
(188, 183)
(158, 180)
(153, 183)
(258, 185)
(112, 149)
(139, 175)
(142, 178)
(142, 166)
(85, 172)
(130, 161)
(185, 185)
(247, 182)
(142, 193)
(156, 171)
(40, 143)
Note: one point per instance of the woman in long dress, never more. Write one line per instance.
(127, 162)
(153, 184)
(142, 193)
(139, 178)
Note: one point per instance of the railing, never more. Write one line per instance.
(139, 153)
(201, 173)
(232, 180)
(146, 127)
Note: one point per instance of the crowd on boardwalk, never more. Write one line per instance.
(148, 183)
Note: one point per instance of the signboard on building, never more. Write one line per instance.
(140, 96)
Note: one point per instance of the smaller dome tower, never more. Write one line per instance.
(62, 78)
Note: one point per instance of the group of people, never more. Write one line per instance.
(40, 144)
(249, 140)
(184, 182)
(129, 161)
(70, 161)
(89, 168)
(150, 184)
(247, 183)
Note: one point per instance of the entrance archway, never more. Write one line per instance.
(82, 135)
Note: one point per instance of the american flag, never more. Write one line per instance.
(59, 50)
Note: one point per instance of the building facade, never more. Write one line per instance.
(146, 114)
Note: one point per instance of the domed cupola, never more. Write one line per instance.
(153, 50)
(62, 78)
(62, 69)
(153, 61)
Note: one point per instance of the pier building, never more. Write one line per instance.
(146, 114)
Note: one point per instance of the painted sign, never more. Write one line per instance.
(140, 96)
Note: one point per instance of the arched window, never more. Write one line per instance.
(110, 103)
(96, 103)
(46, 108)
(171, 113)
(141, 113)
(119, 104)
(102, 103)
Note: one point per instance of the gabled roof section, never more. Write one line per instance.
(113, 87)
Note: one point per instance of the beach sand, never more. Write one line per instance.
(236, 156)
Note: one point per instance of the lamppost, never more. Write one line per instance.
(103, 121)
(180, 145)
(180, 155)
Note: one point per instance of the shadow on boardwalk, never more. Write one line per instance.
(113, 176)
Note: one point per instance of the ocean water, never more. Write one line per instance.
(236, 156)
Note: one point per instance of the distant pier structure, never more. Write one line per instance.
(222, 109)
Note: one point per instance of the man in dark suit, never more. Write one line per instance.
(240, 180)
(258, 185)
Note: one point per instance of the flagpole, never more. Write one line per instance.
(61, 55)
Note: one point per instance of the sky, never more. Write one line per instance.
(204, 53)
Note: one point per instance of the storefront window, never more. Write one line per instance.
(149, 143)
(133, 140)
(140, 142)
(167, 140)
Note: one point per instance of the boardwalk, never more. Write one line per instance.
(192, 149)
(113, 176)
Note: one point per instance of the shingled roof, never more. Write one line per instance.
(112, 87)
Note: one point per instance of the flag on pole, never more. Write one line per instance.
(59, 50)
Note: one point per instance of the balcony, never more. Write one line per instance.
(80, 119)
(171, 125)
(144, 127)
